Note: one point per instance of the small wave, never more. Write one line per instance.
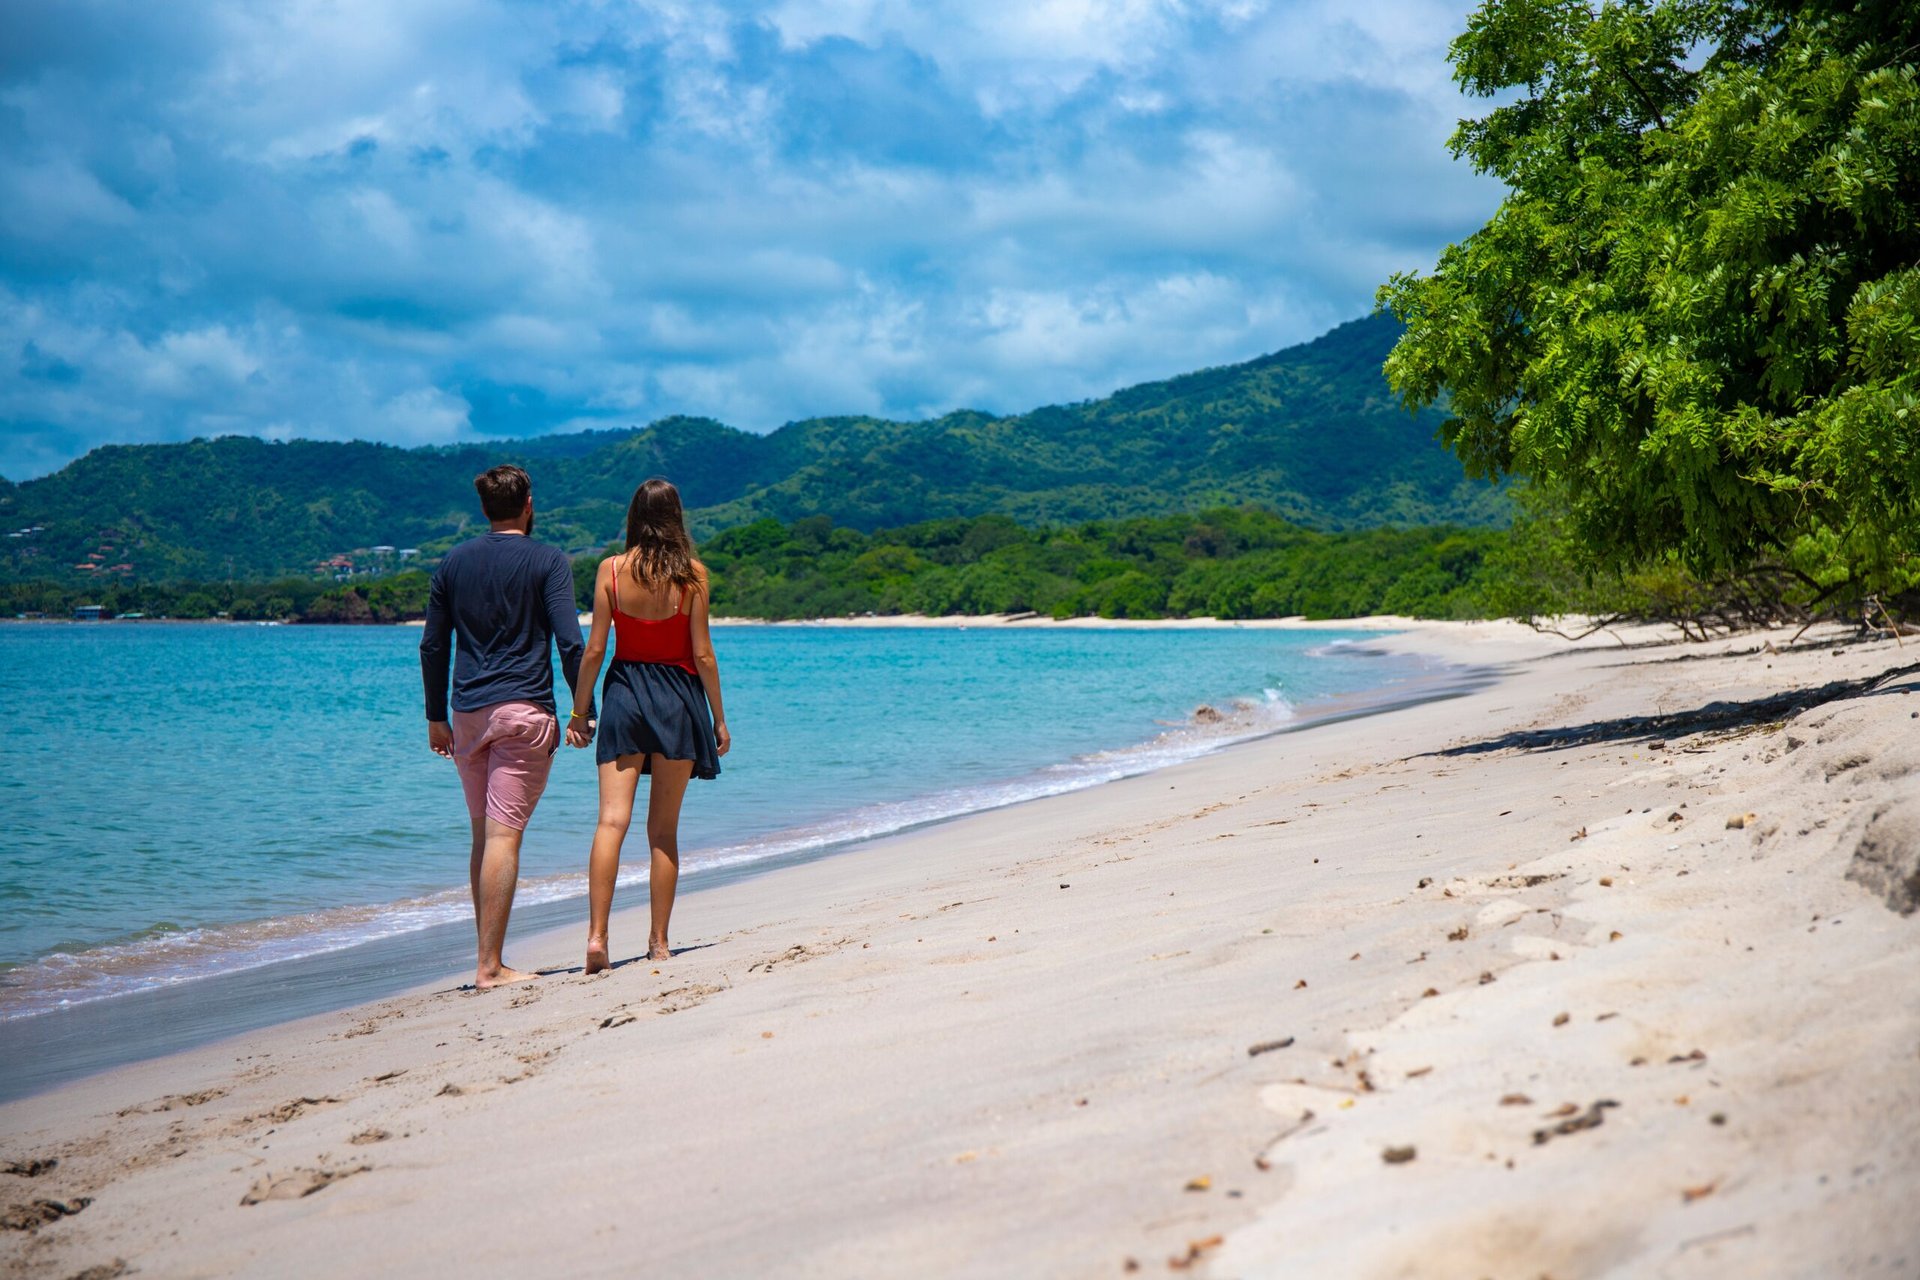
(1350, 647)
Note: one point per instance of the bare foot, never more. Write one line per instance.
(500, 977)
(659, 951)
(597, 956)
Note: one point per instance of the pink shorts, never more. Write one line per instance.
(504, 752)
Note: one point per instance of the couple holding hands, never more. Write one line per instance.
(507, 599)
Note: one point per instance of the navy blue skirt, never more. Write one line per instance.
(657, 709)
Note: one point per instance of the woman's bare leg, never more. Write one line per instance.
(618, 778)
(663, 838)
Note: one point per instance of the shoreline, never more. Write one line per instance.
(100, 1033)
(1515, 939)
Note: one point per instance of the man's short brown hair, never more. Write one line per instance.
(503, 491)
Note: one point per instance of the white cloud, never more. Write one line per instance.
(213, 355)
(424, 415)
(294, 80)
(45, 201)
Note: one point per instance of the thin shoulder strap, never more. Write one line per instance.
(686, 599)
(614, 583)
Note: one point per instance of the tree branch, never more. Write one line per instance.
(1659, 120)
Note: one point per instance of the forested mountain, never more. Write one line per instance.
(1311, 433)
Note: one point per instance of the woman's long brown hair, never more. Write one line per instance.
(659, 553)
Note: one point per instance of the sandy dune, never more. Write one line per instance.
(1599, 971)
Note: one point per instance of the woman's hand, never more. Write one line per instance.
(721, 737)
(579, 732)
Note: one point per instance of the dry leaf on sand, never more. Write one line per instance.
(1195, 1248)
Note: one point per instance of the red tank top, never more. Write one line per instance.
(666, 640)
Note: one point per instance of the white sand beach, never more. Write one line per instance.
(1596, 971)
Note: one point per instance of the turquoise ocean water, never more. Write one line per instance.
(187, 799)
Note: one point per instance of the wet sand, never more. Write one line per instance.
(1524, 1002)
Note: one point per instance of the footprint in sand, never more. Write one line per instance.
(299, 1106)
(372, 1024)
(189, 1099)
(31, 1168)
(300, 1182)
(367, 1137)
(688, 996)
(103, 1271)
(799, 952)
(793, 953)
(31, 1217)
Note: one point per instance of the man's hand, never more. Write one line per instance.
(579, 732)
(440, 738)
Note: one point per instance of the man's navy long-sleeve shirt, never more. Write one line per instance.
(505, 596)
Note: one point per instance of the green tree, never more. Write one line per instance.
(195, 604)
(585, 569)
(1694, 322)
(397, 598)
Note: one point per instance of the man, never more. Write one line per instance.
(506, 597)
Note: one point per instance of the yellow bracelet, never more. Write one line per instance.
(575, 715)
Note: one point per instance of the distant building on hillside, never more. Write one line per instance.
(408, 553)
(89, 612)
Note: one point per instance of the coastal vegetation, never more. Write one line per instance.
(1222, 563)
(1229, 563)
(1225, 562)
(1692, 329)
(393, 599)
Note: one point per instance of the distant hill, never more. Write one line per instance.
(1311, 433)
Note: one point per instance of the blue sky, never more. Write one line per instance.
(447, 220)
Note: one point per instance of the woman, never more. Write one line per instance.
(654, 709)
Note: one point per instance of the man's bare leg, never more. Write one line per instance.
(478, 821)
(495, 874)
